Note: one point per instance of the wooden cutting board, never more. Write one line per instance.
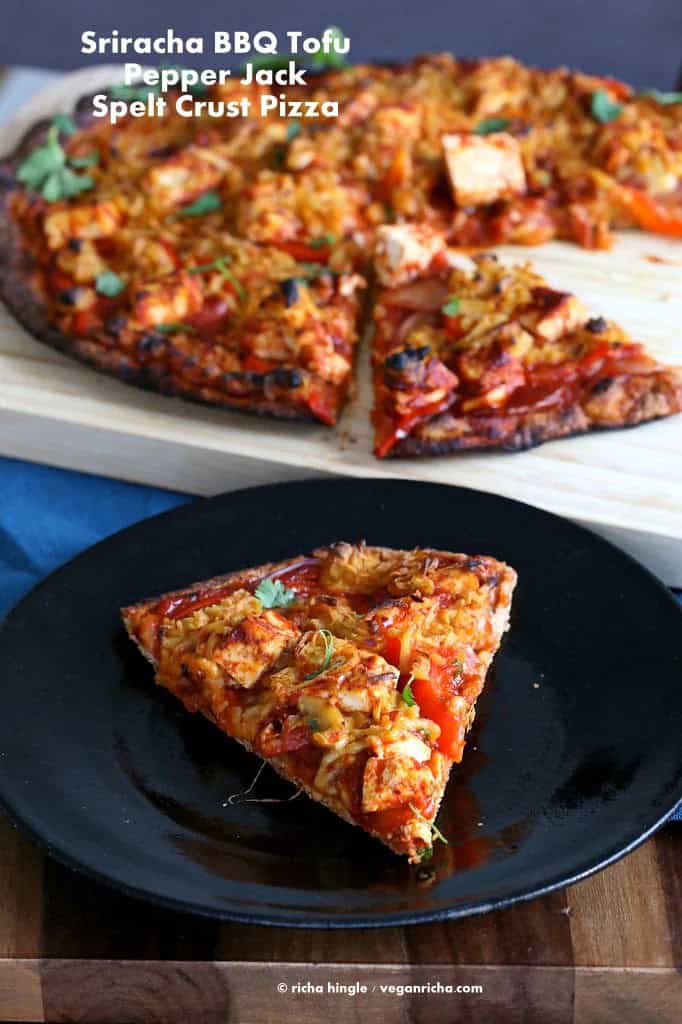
(626, 484)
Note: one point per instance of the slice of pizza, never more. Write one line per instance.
(472, 353)
(354, 672)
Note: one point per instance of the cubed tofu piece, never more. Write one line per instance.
(554, 314)
(83, 262)
(483, 169)
(170, 299)
(182, 178)
(393, 781)
(403, 252)
(253, 647)
(88, 221)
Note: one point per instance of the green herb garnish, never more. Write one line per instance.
(293, 129)
(206, 203)
(603, 108)
(407, 694)
(490, 125)
(322, 241)
(435, 831)
(108, 283)
(64, 124)
(313, 725)
(174, 327)
(426, 853)
(333, 59)
(666, 98)
(89, 160)
(273, 594)
(451, 307)
(221, 265)
(328, 639)
(44, 170)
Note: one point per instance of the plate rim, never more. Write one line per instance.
(307, 918)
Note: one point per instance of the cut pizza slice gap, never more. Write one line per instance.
(472, 353)
(354, 672)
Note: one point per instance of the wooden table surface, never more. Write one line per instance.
(607, 949)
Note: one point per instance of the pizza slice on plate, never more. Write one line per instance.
(472, 353)
(354, 672)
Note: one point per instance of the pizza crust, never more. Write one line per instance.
(614, 403)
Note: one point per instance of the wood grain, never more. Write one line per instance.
(608, 949)
(626, 484)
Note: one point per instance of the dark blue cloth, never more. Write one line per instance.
(48, 515)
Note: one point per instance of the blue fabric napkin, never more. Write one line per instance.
(48, 515)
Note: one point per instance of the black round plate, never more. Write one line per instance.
(574, 758)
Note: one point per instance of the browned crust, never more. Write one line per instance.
(613, 403)
(241, 575)
(21, 292)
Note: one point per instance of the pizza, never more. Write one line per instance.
(354, 672)
(224, 259)
(469, 352)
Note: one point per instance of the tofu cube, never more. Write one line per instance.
(404, 251)
(483, 169)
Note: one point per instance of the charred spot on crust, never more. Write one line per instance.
(596, 325)
(115, 324)
(75, 244)
(290, 290)
(287, 378)
(69, 296)
(402, 359)
(602, 385)
(150, 344)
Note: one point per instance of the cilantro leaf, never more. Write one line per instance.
(451, 307)
(407, 694)
(89, 160)
(603, 108)
(490, 125)
(273, 594)
(322, 241)
(174, 327)
(110, 284)
(45, 170)
(206, 203)
(64, 124)
(293, 129)
(333, 59)
(664, 98)
(42, 162)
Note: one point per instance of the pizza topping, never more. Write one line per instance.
(483, 170)
(273, 594)
(110, 284)
(603, 108)
(165, 302)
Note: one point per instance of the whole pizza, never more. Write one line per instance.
(236, 261)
